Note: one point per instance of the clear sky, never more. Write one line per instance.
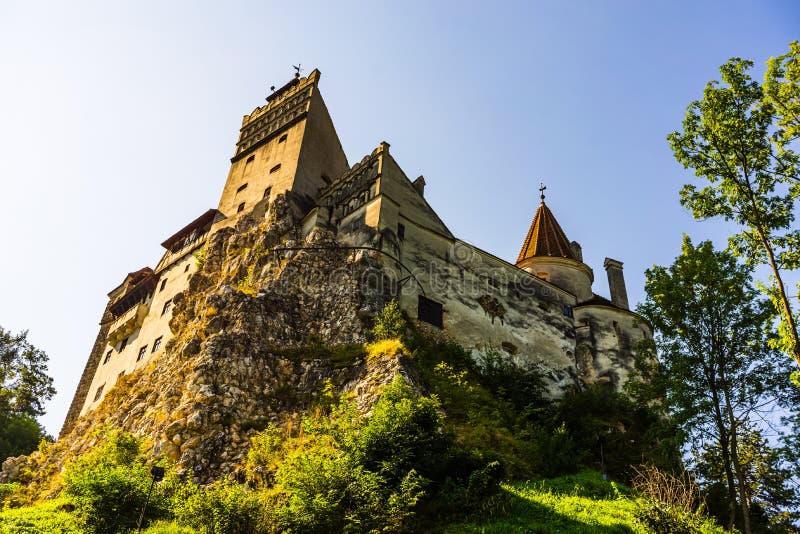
(118, 119)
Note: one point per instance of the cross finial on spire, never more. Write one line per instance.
(297, 69)
(542, 187)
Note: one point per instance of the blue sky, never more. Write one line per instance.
(117, 121)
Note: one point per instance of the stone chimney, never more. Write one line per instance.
(577, 250)
(616, 283)
(419, 185)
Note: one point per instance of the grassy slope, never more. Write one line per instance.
(575, 503)
(582, 503)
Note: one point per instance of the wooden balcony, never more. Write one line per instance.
(127, 323)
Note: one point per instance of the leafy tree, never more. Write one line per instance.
(717, 373)
(739, 138)
(24, 387)
(768, 481)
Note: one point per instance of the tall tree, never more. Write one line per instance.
(24, 387)
(739, 139)
(716, 372)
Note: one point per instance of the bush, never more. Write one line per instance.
(109, 486)
(389, 323)
(224, 508)
(660, 518)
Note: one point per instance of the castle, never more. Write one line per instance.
(541, 310)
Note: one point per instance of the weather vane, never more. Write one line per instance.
(298, 69)
(542, 187)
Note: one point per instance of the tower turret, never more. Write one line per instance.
(548, 254)
(288, 145)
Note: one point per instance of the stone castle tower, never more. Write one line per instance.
(539, 311)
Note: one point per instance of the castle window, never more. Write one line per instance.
(99, 392)
(240, 208)
(567, 310)
(430, 311)
(186, 270)
(267, 192)
(108, 357)
(167, 306)
(157, 344)
(123, 344)
(241, 188)
(163, 284)
(282, 138)
(250, 159)
(275, 168)
(142, 352)
(401, 231)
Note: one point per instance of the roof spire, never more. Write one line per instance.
(545, 236)
(542, 187)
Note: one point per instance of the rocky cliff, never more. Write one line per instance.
(270, 321)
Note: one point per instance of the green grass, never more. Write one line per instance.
(581, 503)
(49, 516)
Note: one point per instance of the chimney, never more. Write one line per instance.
(577, 250)
(419, 185)
(616, 283)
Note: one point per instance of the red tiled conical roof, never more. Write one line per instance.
(545, 237)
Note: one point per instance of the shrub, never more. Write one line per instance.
(523, 386)
(660, 518)
(389, 323)
(109, 486)
(224, 508)
(676, 491)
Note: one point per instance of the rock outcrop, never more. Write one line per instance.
(269, 321)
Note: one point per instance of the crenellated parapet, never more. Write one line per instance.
(285, 106)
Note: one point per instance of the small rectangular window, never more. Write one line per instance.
(99, 392)
(567, 310)
(163, 284)
(123, 344)
(142, 352)
(167, 306)
(250, 159)
(108, 356)
(401, 231)
(267, 192)
(186, 270)
(156, 344)
(275, 168)
(282, 138)
(430, 311)
(241, 188)
(240, 208)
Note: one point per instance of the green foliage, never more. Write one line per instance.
(389, 323)
(660, 518)
(346, 472)
(200, 257)
(109, 485)
(716, 373)
(611, 429)
(168, 527)
(738, 139)
(522, 386)
(19, 434)
(224, 508)
(24, 387)
(50, 516)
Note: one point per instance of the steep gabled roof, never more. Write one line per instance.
(545, 237)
